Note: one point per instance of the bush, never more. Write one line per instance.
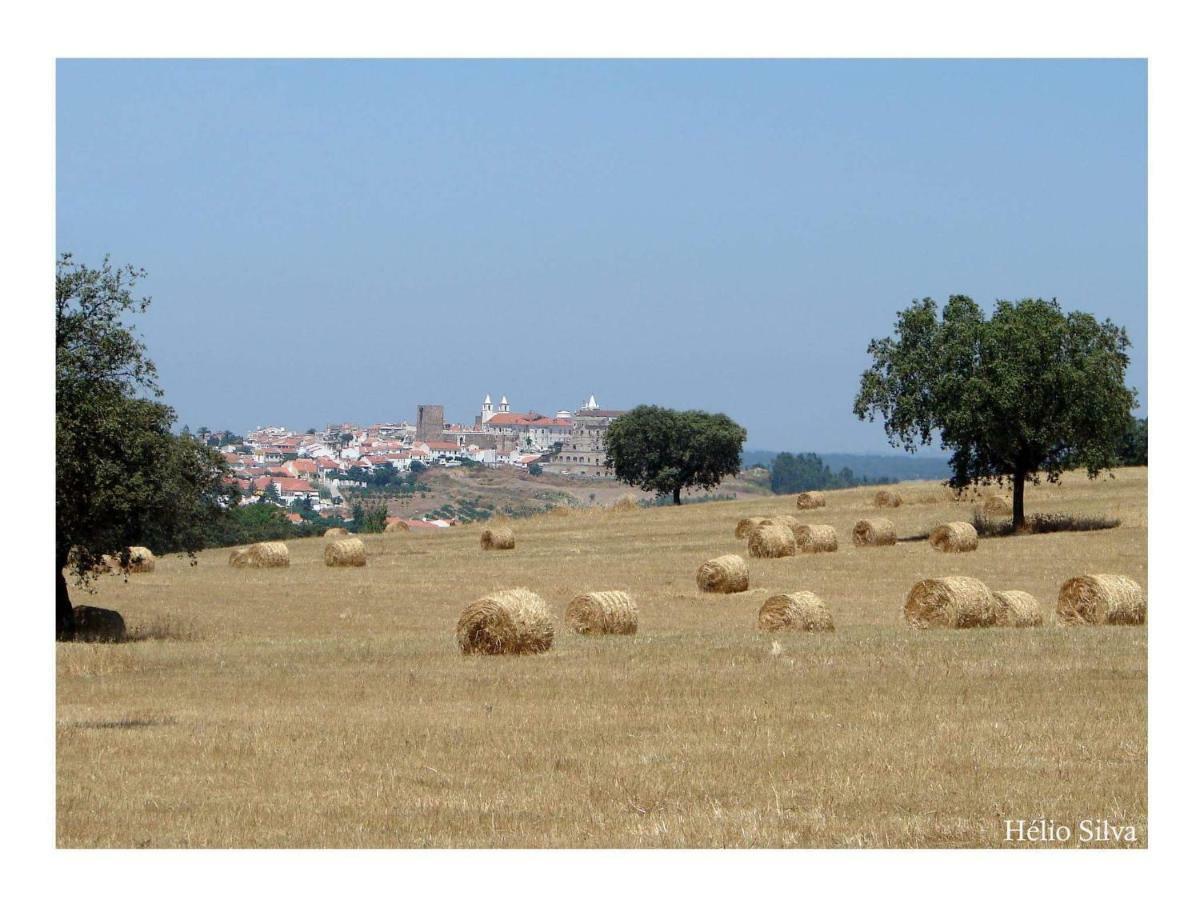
(1042, 523)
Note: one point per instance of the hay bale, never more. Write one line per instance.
(346, 552)
(810, 500)
(1101, 600)
(747, 525)
(99, 566)
(816, 539)
(94, 623)
(393, 527)
(952, 602)
(798, 611)
(888, 499)
(514, 621)
(265, 555)
(874, 533)
(789, 522)
(771, 541)
(336, 532)
(997, 505)
(1017, 609)
(140, 560)
(498, 537)
(627, 503)
(726, 574)
(603, 612)
(955, 537)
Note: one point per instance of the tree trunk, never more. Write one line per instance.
(64, 623)
(1019, 502)
(675, 497)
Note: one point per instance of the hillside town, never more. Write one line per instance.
(311, 470)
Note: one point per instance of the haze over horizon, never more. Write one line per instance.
(341, 240)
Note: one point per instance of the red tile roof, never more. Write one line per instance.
(293, 485)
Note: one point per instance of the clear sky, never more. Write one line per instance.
(342, 240)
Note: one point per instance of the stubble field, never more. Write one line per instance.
(318, 707)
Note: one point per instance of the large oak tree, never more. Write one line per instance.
(1029, 392)
(667, 450)
(121, 477)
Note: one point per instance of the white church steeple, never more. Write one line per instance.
(485, 411)
(503, 403)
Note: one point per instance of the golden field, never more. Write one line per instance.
(320, 707)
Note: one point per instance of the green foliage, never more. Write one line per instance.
(793, 473)
(1030, 390)
(260, 522)
(370, 516)
(1135, 443)
(121, 476)
(666, 450)
(535, 469)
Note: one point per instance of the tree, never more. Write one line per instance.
(535, 469)
(666, 450)
(121, 477)
(1135, 443)
(370, 516)
(1030, 390)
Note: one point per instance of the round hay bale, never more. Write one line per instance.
(810, 500)
(94, 623)
(498, 537)
(997, 505)
(789, 522)
(955, 537)
(627, 503)
(747, 525)
(798, 611)
(265, 555)
(346, 552)
(816, 539)
(1017, 609)
(771, 541)
(1101, 600)
(874, 533)
(393, 527)
(514, 621)
(726, 574)
(336, 532)
(603, 612)
(140, 560)
(99, 566)
(887, 499)
(952, 602)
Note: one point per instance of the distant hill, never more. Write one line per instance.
(901, 466)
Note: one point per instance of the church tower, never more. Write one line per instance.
(503, 404)
(485, 411)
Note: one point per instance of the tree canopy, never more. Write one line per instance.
(666, 450)
(1031, 391)
(121, 477)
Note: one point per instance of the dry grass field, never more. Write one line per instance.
(318, 707)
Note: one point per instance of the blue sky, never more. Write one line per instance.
(342, 240)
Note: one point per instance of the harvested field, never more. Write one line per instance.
(330, 707)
